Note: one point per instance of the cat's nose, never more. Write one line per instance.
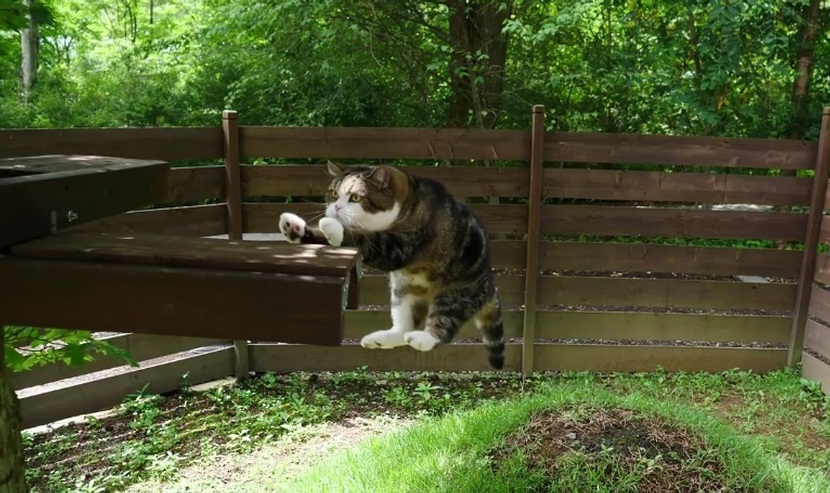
(337, 207)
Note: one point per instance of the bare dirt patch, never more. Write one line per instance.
(665, 457)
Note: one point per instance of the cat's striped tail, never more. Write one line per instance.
(489, 322)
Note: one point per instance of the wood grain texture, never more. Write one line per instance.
(679, 150)
(165, 143)
(645, 326)
(197, 220)
(579, 357)
(383, 143)
(819, 304)
(172, 301)
(686, 223)
(668, 293)
(195, 183)
(264, 217)
(451, 357)
(197, 252)
(822, 273)
(140, 347)
(312, 180)
(816, 370)
(630, 257)
(78, 190)
(817, 337)
(99, 394)
(718, 188)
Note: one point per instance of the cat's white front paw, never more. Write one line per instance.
(292, 226)
(421, 340)
(383, 339)
(332, 230)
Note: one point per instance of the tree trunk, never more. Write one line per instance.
(29, 44)
(12, 469)
(804, 69)
(478, 54)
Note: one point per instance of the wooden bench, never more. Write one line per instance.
(55, 275)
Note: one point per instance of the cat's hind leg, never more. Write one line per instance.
(489, 321)
(449, 311)
(409, 304)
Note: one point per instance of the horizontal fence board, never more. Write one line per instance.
(312, 180)
(817, 338)
(662, 326)
(819, 306)
(265, 217)
(99, 394)
(824, 232)
(598, 184)
(139, 346)
(165, 143)
(358, 323)
(383, 143)
(603, 291)
(621, 358)
(687, 223)
(823, 268)
(195, 183)
(450, 357)
(679, 150)
(814, 369)
(631, 257)
(669, 293)
(197, 220)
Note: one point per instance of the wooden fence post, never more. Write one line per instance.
(811, 239)
(233, 198)
(537, 153)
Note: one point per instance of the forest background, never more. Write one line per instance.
(754, 68)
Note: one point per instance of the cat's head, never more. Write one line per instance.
(366, 198)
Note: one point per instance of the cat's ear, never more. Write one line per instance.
(333, 169)
(383, 175)
(392, 178)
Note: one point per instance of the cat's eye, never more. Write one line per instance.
(333, 194)
(355, 198)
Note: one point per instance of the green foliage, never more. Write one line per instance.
(28, 347)
(701, 67)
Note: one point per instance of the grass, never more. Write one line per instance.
(158, 438)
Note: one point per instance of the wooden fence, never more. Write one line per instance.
(613, 252)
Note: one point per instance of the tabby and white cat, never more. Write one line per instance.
(435, 249)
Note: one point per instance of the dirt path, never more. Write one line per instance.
(265, 470)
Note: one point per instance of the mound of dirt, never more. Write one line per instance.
(664, 457)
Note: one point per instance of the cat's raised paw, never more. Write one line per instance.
(383, 339)
(421, 340)
(332, 230)
(292, 226)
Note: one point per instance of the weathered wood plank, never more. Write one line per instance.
(100, 394)
(312, 180)
(662, 326)
(451, 357)
(197, 220)
(599, 184)
(687, 223)
(819, 304)
(584, 357)
(198, 252)
(631, 257)
(679, 150)
(88, 189)
(816, 370)
(264, 217)
(600, 291)
(817, 338)
(822, 268)
(166, 143)
(195, 183)
(140, 347)
(669, 293)
(383, 143)
(172, 301)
